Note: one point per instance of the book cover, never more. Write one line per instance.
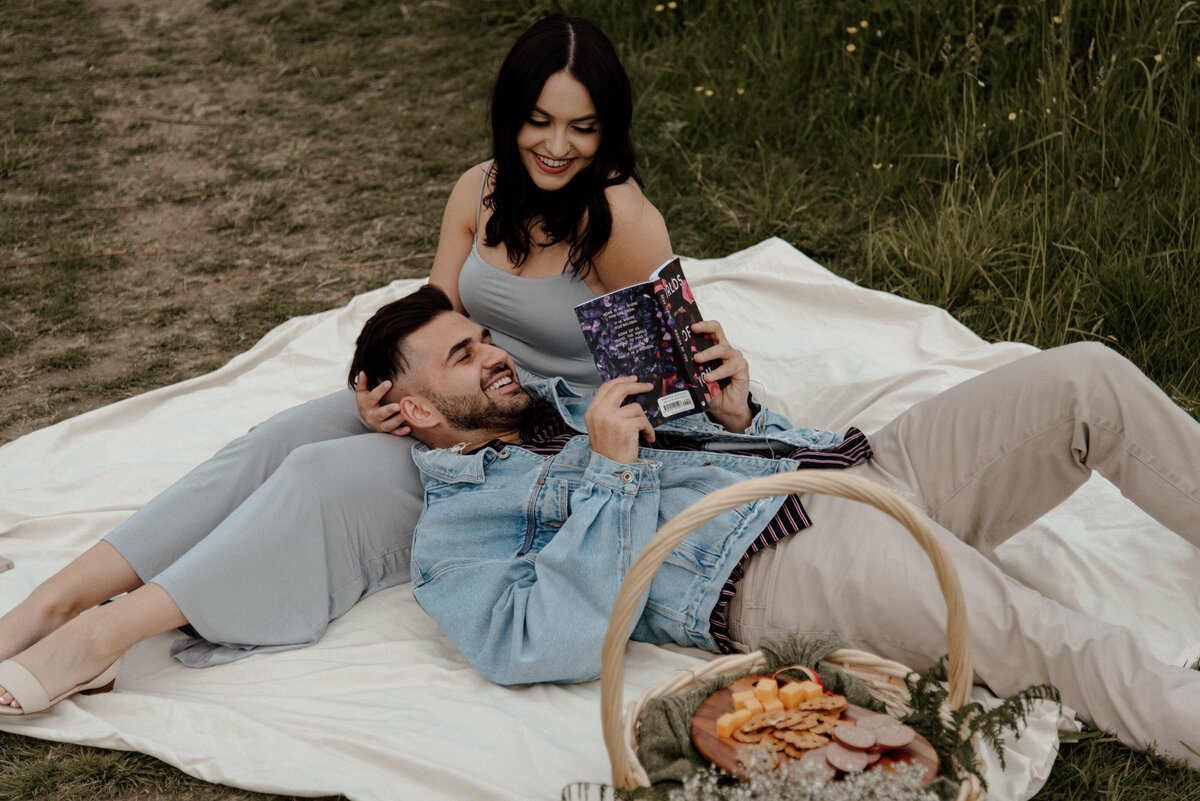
(644, 330)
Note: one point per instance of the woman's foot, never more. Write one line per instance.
(71, 656)
(86, 646)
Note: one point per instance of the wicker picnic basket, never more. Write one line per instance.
(884, 678)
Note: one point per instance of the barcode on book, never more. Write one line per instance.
(675, 403)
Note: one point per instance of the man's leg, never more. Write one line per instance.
(859, 574)
(988, 457)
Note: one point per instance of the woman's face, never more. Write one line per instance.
(562, 134)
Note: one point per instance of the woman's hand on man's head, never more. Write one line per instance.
(382, 417)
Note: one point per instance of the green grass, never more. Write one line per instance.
(1031, 166)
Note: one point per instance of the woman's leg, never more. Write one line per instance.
(177, 519)
(88, 644)
(332, 524)
(988, 457)
(98, 574)
(183, 514)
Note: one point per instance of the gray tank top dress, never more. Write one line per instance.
(531, 318)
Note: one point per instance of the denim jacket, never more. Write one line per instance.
(519, 557)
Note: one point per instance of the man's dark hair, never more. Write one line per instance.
(379, 350)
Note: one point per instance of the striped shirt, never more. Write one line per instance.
(546, 434)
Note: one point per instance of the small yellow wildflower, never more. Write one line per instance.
(878, 165)
(850, 48)
(699, 88)
(1012, 115)
(1158, 58)
(1047, 111)
(672, 5)
(862, 23)
(708, 92)
(1057, 20)
(659, 7)
(852, 30)
(741, 90)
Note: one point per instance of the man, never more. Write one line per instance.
(537, 502)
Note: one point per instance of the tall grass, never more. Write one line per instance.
(1032, 166)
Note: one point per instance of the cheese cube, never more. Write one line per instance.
(765, 690)
(773, 705)
(747, 700)
(797, 692)
(728, 723)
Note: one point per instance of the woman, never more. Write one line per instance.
(290, 525)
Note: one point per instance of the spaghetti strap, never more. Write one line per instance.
(479, 202)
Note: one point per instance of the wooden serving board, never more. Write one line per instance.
(723, 752)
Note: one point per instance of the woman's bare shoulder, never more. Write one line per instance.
(626, 196)
(471, 182)
(633, 214)
(639, 241)
(465, 196)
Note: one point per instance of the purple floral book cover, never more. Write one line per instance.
(629, 333)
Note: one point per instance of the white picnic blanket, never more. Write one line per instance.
(384, 707)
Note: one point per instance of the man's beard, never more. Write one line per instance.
(482, 413)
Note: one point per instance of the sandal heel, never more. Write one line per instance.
(102, 689)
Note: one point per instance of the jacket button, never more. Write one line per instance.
(503, 454)
(627, 476)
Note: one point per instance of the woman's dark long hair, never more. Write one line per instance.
(577, 214)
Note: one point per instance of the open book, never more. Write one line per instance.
(645, 330)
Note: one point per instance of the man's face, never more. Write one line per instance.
(467, 378)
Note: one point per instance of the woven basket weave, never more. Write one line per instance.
(884, 678)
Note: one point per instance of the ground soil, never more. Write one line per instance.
(228, 208)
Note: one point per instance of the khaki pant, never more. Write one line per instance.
(984, 460)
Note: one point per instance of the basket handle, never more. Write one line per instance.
(829, 482)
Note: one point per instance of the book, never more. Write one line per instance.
(645, 330)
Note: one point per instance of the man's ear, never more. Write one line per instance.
(418, 412)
